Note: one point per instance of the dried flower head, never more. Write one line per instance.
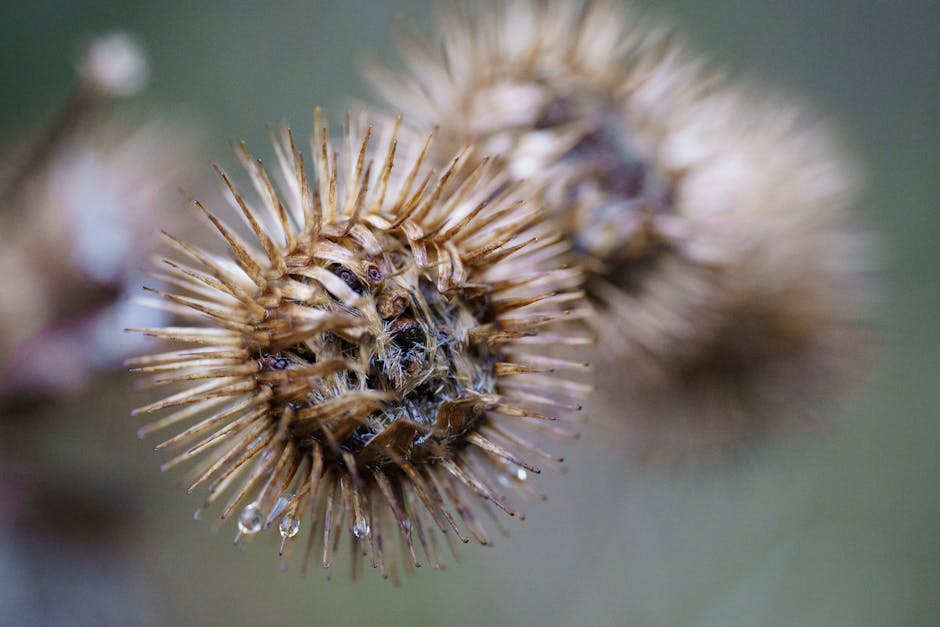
(577, 94)
(79, 201)
(366, 367)
(715, 226)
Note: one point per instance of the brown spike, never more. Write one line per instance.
(224, 318)
(411, 176)
(266, 466)
(310, 205)
(290, 239)
(497, 450)
(240, 425)
(212, 421)
(404, 524)
(428, 549)
(270, 249)
(494, 428)
(233, 456)
(179, 415)
(328, 523)
(360, 200)
(431, 201)
(449, 485)
(208, 390)
(476, 485)
(245, 261)
(386, 173)
(263, 187)
(231, 287)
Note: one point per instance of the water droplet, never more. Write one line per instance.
(521, 474)
(250, 520)
(289, 526)
(282, 502)
(361, 529)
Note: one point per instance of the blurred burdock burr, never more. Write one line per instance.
(784, 283)
(715, 223)
(79, 200)
(365, 367)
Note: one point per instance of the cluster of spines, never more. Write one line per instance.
(465, 229)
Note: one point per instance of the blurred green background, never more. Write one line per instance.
(823, 531)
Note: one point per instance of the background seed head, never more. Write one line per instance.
(715, 222)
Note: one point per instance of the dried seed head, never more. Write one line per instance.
(365, 368)
(715, 226)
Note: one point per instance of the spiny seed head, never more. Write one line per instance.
(760, 324)
(584, 97)
(366, 364)
(715, 226)
(568, 92)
